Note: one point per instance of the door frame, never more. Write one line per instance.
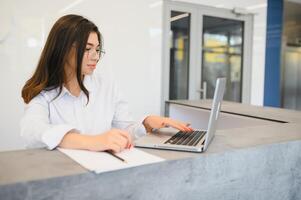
(195, 59)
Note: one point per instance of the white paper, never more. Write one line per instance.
(103, 162)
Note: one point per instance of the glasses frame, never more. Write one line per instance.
(100, 54)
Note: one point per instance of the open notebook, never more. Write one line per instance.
(102, 162)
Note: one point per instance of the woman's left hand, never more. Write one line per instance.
(152, 121)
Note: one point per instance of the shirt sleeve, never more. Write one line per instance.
(36, 128)
(122, 118)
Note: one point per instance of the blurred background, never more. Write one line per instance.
(161, 49)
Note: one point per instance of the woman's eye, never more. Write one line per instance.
(88, 49)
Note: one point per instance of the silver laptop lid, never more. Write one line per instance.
(215, 109)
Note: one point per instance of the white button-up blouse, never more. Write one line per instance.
(47, 119)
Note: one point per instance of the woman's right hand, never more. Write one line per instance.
(115, 140)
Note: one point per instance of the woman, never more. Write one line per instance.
(69, 106)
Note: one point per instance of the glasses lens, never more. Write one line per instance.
(98, 53)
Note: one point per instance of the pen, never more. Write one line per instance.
(119, 158)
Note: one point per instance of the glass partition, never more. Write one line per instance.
(179, 55)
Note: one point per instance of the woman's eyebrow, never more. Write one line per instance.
(92, 44)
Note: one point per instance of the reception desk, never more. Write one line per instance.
(256, 154)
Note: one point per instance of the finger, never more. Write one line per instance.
(188, 126)
(185, 126)
(177, 126)
(180, 126)
(115, 148)
(126, 142)
(188, 129)
(120, 141)
(127, 136)
(122, 135)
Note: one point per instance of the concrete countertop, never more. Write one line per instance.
(228, 167)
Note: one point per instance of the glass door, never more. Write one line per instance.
(179, 55)
(222, 50)
(200, 44)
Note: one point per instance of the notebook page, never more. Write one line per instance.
(103, 162)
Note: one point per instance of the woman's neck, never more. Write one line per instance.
(73, 86)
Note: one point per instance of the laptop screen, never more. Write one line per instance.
(215, 110)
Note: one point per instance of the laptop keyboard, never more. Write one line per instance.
(186, 138)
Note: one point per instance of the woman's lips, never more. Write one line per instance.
(92, 66)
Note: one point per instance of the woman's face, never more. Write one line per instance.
(91, 55)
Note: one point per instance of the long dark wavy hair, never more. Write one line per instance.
(68, 31)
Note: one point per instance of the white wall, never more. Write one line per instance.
(132, 35)
(132, 31)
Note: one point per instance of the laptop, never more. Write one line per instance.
(196, 141)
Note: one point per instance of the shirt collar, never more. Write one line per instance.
(63, 93)
(88, 82)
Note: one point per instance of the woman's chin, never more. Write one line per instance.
(89, 72)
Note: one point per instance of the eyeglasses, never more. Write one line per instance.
(91, 53)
